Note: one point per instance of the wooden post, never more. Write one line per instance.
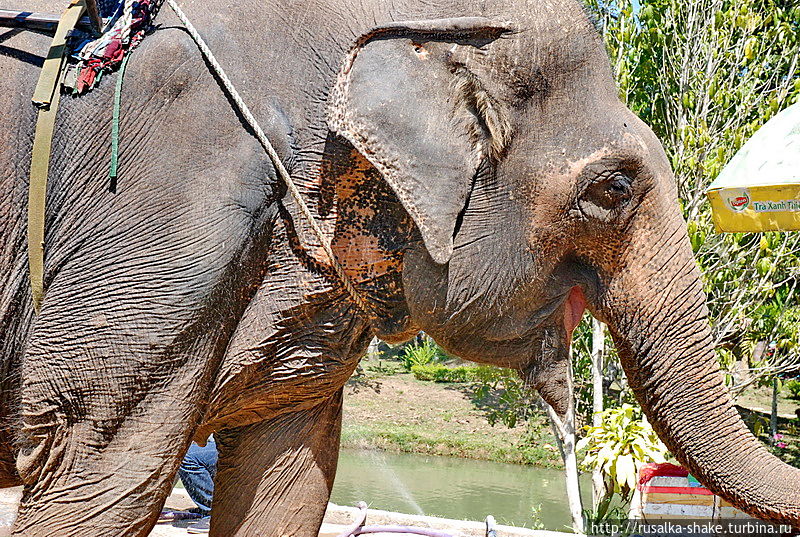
(94, 16)
(491, 530)
(773, 417)
(372, 350)
(598, 351)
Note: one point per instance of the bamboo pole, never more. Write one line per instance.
(564, 432)
(10, 18)
(598, 350)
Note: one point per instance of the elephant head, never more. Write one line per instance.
(537, 193)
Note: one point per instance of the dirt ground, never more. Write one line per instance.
(755, 405)
(761, 401)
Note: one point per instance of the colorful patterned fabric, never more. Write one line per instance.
(90, 59)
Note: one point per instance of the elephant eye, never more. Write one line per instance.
(605, 197)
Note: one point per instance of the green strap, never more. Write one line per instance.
(112, 172)
(46, 96)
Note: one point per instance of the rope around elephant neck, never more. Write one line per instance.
(360, 302)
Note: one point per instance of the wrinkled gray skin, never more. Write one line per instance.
(503, 182)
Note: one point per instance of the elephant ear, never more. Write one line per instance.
(399, 100)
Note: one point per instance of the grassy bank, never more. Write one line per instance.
(411, 439)
(387, 408)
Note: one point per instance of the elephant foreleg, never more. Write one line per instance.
(274, 477)
(8, 464)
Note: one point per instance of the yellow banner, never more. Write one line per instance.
(756, 208)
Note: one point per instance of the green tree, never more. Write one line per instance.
(705, 75)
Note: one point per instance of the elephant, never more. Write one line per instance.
(478, 179)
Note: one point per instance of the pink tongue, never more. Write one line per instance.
(576, 304)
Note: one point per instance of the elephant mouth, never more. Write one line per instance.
(513, 340)
(567, 309)
(574, 306)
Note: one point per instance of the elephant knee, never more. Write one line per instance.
(35, 449)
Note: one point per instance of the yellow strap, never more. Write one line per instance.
(37, 191)
(46, 97)
(51, 69)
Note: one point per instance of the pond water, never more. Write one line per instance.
(454, 488)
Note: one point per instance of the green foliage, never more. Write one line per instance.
(759, 425)
(502, 394)
(442, 373)
(536, 516)
(618, 448)
(383, 368)
(706, 75)
(421, 354)
(793, 386)
(608, 521)
(617, 392)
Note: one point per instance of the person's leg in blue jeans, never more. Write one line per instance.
(197, 473)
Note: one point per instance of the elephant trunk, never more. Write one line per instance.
(657, 316)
